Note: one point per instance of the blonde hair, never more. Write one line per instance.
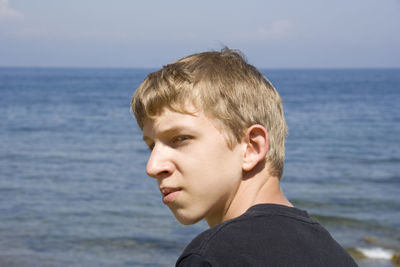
(225, 87)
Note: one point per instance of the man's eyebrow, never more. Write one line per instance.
(168, 131)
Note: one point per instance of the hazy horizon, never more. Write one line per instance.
(156, 68)
(130, 34)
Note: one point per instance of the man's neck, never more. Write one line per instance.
(258, 189)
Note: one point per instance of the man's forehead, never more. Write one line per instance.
(170, 121)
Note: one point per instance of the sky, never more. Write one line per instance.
(152, 33)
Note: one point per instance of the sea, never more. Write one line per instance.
(73, 187)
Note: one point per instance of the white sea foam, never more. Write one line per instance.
(377, 253)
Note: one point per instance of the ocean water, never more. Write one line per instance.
(73, 190)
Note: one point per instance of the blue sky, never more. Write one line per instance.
(152, 33)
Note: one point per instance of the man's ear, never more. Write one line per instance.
(256, 140)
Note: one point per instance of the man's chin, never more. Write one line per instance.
(186, 219)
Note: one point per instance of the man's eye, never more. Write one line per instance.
(180, 138)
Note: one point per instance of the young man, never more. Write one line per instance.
(216, 130)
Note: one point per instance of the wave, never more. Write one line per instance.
(363, 160)
(376, 253)
(352, 225)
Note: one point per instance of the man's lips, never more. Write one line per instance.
(169, 194)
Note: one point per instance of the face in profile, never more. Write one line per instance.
(196, 171)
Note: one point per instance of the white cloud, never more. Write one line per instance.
(7, 13)
(278, 30)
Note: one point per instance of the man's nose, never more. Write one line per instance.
(159, 164)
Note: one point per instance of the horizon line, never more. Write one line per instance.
(159, 67)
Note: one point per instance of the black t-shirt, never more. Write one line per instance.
(266, 235)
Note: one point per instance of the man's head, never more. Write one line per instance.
(224, 87)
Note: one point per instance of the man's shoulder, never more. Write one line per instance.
(208, 244)
(260, 224)
(265, 233)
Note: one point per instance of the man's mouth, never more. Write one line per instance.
(169, 194)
